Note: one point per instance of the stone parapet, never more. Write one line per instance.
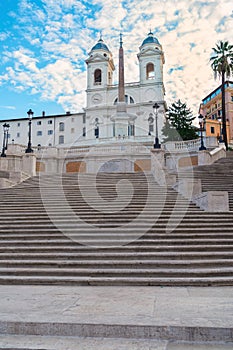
(18, 167)
(208, 157)
(212, 201)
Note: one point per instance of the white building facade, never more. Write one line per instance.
(96, 123)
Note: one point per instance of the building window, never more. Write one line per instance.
(97, 77)
(50, 121)
(84, 119)
(18, 124)
(38, 122)
(131, 130)
(39, 133)
(8, 135)
(128, 100)
(84, 131)
(61, 139)
(151, 123)
(150, 71)
(61, 126)
(212, 129)
(50, 132)
(18, 134)
(50, 144)
(109, 78)
(72, 130)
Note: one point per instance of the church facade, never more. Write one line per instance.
(112, 112)
(102, 95)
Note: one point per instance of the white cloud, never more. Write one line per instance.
(8, 107)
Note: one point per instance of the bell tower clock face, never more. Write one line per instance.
(96, 99)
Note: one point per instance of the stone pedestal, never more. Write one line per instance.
(212, 201)
(188, 187)
(29, 164)
(170, 179)
(158, 165)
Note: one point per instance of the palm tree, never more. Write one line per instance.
(222, 65)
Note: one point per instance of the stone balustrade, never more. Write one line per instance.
(191, 145)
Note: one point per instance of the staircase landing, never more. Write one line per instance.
(125, 313)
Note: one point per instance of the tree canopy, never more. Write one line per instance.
(178, 125)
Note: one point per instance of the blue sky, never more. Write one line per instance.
(44, 44)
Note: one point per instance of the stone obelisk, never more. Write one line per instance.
(121, 118)
(121, 87)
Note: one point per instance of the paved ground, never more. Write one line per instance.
(118, 306)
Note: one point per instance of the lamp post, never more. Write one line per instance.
(220, 128)
(29, 148)
(201, 123)
(155, 109)
(5, 136)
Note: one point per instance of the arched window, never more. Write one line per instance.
(128, 100)
(61, 126)
(98, 77)
(96, 131)
(150, 71)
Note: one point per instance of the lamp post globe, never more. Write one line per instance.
(155, 109)
(29, 148)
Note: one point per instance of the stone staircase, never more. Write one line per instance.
(215, 177)
(61, 230)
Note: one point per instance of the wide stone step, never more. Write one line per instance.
(134, 231)
(116, 239)
(121, 281)
(109, 246)
(107, 221)
(119, 272)
(121, 256)
(148, 236)
(112, 264)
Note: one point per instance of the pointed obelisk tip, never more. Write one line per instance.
(121, 42)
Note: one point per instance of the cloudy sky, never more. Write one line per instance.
(44, 44)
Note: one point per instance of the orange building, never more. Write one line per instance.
(211, 109)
